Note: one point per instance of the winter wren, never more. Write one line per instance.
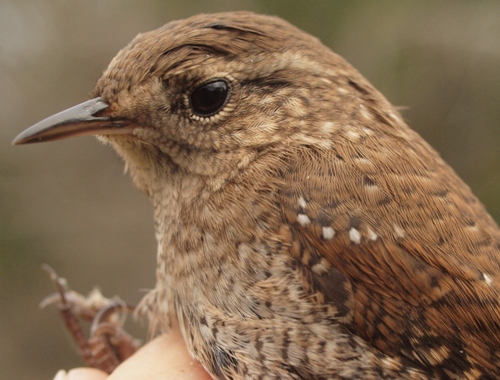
(304, 231)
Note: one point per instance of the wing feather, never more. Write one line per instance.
(411, 256)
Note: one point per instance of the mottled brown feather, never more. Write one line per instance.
(420, 288)
(304, 231)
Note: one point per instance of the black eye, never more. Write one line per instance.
(210, 97)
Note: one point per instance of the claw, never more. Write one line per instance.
(108, 344)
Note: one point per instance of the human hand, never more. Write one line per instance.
(163, 357)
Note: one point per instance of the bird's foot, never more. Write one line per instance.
(108, 344)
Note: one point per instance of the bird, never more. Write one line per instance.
(304, 230)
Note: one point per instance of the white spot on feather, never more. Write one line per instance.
(328, 233)
(328, 127)
(363, 161)
(399, 232)
(371, 235)
(302, 202)
(206, 332)
(393, 116)
(321, 267)
(487, 279)
(473, 228)
(368, 131)
(352, 135)
(303, 220)
(364, 112)
(354, 235)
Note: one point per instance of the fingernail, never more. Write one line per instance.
(61, 375)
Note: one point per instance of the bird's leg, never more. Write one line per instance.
(108, 344)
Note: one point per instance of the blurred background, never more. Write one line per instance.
(68, 203)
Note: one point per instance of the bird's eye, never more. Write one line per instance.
(210, 97)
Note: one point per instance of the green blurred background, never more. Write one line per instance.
(68, 203)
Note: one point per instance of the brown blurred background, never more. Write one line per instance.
(68, 203)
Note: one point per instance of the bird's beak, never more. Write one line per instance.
(80, 120)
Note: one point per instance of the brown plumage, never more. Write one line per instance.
(304, 231)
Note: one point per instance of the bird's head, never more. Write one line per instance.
(207, 95)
